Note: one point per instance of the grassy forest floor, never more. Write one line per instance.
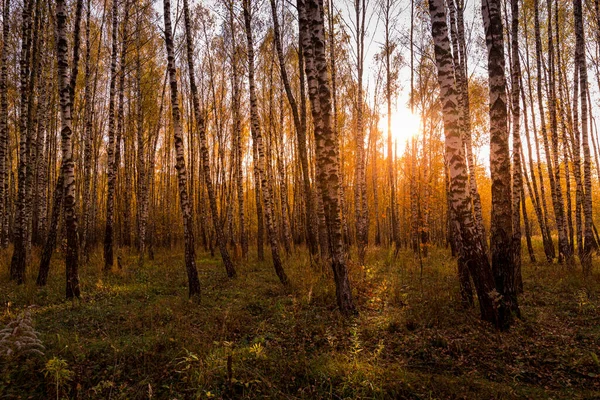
(134, 334)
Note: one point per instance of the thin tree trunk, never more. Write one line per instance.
(4, 124)
(110, 196)
(580, 64)
(19, 257)
(221, 241)
(539, 197)
(122, 195)
(388, 96)
(237, 134)
(551, 156)
(361, 210)
(68, 165)
(311, 232)
(260, 161)
(190, 261)
(517, 181)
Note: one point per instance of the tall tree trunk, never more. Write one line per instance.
(122, 195)
(389, 48)
(19, 257)
(221, 241)
(190, 258)
(4, 123)
(312, 30)
(237, 133)
(361, 209)
(517, 181)
(33, 89)
(503, 261)
(110, 195)
(142, 189)
(539, 198)
(87, 137)
(260, 151)
(471, 251)
(550, 161)
(580, 64)
(68, 165)
(457, 31)
(311, 232)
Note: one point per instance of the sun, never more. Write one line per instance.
(405, 125)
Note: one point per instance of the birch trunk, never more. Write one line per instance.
(501, 240)
(221, 240)
(18, 261)
(361, 210)
(311, 232)
(538, 197)
(471, 249)
(388, 49)
(111, 173)
(87, 136)
(312, 29)
(68, 165)
(4, 123)
(190, 259)
(517, 182)
(237, 134)
(260, 151)
(580, 64)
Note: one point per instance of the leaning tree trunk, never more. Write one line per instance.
(312, 30)
(221, 241)
(260, 152)
(190, 261)
(471, 251)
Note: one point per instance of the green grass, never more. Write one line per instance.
(134, 334)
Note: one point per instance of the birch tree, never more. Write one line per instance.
(190, 252)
